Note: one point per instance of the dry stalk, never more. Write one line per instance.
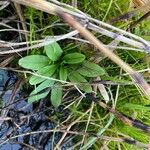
(138, 3)
(20, 14)
(140, 6)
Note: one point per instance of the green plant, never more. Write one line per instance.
(60, 65)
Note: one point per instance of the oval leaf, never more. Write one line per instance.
(77, 78)
(53, 51)
(38, 96)
(34, 62)
(73, 58)
(56, 96)
(63, 73)
(90, 69)
(46, 71)
(42, 86)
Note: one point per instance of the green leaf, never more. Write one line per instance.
(38, 96)
(46, 71)
(136, 106)
(73, 58)
(56, 96)
(34, 62)
(53, 51)
(77, 78)
(90, 69)
(63, 73)
(41, 87)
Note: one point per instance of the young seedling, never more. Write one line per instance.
(60, 65)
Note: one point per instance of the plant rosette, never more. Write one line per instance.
(56, 65)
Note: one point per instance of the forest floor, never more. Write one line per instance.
(85, 98)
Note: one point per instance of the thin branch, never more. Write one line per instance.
(108, 138)
(125, 119)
